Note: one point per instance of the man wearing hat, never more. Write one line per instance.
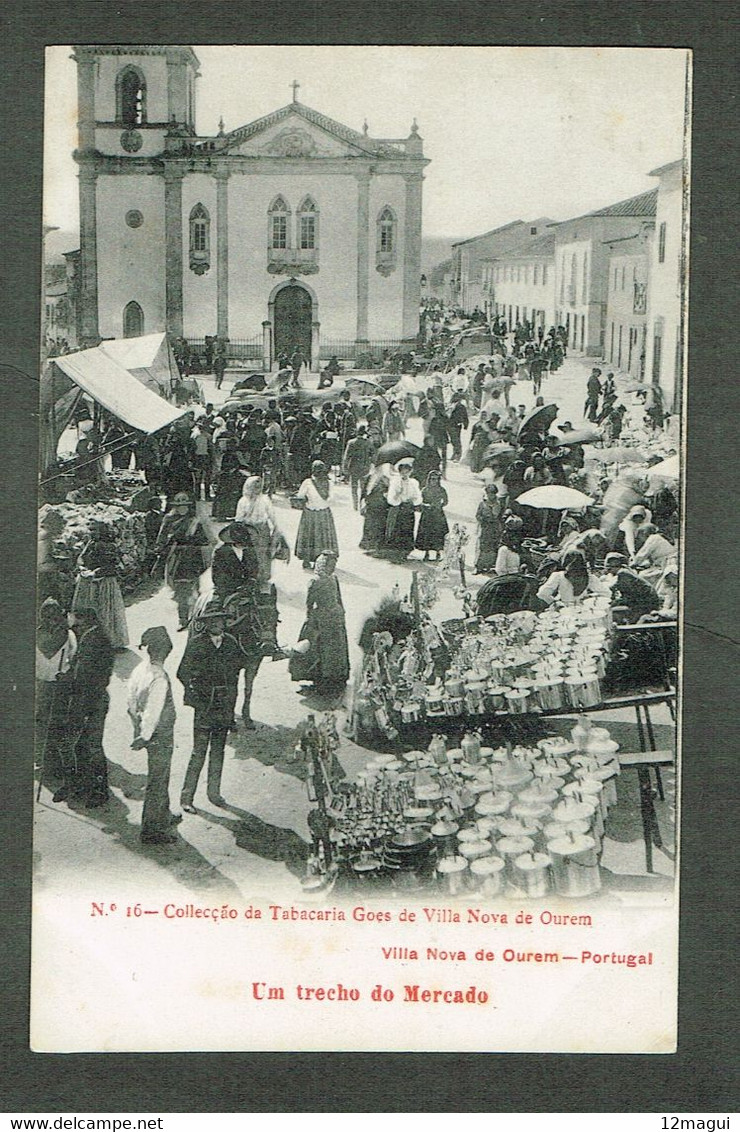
(152, 712)
(357, 462)
(593, 392)
(209, 672)
(456, 422)
(235, 564)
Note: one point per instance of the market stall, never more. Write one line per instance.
(468, 821)
(501, 674)
(108, 384)
(75, 523)
(77, 499)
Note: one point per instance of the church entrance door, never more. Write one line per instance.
(292, 320)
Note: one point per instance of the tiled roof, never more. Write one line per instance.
(491, 232)
(542, 245)
(643, 205)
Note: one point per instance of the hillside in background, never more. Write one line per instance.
(58, 242)
(436, 249)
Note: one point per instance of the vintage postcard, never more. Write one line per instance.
(360, 513)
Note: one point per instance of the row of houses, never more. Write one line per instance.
(614, 278)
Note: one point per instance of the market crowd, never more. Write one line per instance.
(224, 466)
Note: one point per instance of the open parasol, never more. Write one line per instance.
(394, 450)
(554, 497)
(538, 420)
(494, 451)
(363, 385)
(405, 384)
(666, 469)
(579, 436)
(635, 387)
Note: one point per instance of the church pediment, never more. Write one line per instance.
(298, 131)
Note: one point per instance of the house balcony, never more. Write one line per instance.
(292, 261)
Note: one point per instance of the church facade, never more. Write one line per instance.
(291, 231)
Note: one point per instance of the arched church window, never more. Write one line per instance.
(133, 320)
(131, 97)
(279, 224)
(308, 225)
(386, 241)
(387, 230)
(200, 240)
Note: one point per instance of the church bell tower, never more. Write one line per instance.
(130, 97)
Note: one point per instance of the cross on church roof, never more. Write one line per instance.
(295, 84)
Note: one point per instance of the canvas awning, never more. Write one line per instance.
(117, 390)
(148, 358)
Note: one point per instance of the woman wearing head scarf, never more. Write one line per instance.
(322, 655)
(404, 499)
(652, 551)
(433, 525)
(568, 535)
(374, 506)
(480, 438)
(316, 530)
(97, 584)
(509, 559)
(257, 511)
(667, 588)
(635, 518)
(394, 427)
(571, 584)
(178, 455)
(184, 545)
(488, 517)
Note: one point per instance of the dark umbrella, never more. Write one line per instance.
(538, 420)
(394, 450)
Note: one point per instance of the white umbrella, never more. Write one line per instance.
(407, 384)
(554, 497)
(666, 469)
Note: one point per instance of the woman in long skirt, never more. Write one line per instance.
(97, 584)
(322, 655)
(316, 530)
(229, 486)
(404, 499)
(480, 438)
(374, 505)
(490, 529)
(433, 525)
(256, 510)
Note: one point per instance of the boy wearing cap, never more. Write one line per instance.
(152, 712)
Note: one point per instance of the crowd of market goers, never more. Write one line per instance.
(235, 461)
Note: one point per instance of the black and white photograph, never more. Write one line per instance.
(362, 386)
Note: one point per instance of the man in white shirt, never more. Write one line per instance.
(152, 712)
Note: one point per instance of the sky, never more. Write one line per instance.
(512, 132)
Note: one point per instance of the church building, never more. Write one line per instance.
(291, 231)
